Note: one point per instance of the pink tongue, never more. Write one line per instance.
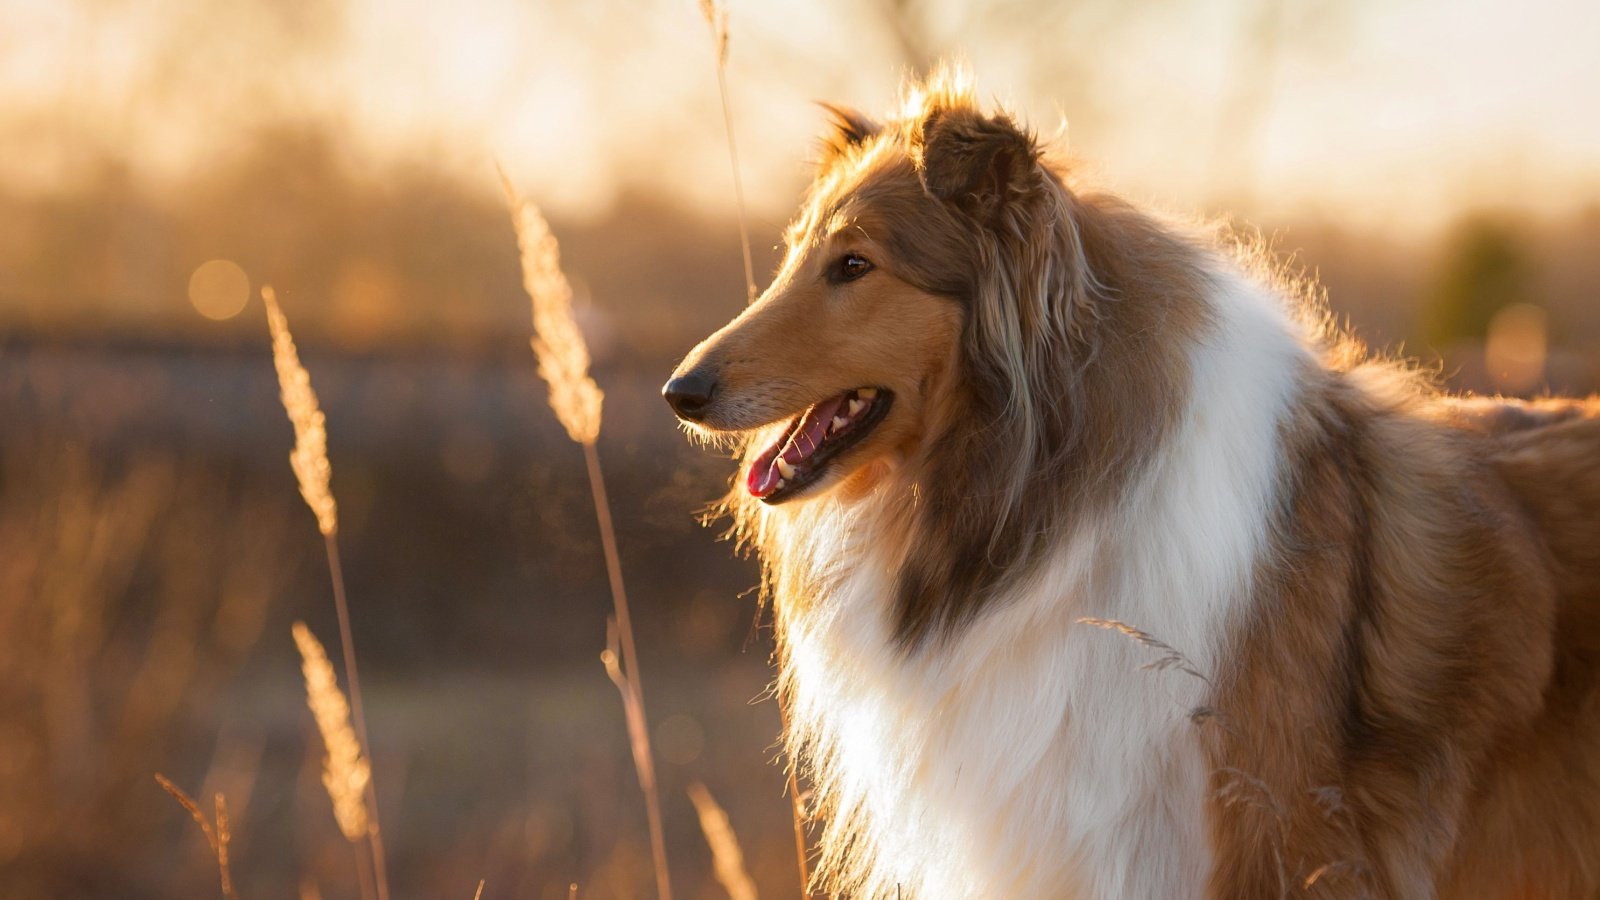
(808, 437)
(763, 479)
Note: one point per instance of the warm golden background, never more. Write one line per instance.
(1436, 162)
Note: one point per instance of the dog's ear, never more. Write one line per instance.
(848, 128)
(974, 162)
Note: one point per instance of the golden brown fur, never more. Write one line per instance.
(1407, 703)
(1412, 701)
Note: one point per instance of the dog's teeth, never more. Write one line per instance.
(784, 469)
(780, 485)
(856, 406)
(839, 422)
(867, 393)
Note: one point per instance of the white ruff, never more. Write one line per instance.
(1029, 756)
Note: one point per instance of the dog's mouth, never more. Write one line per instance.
(813, 440)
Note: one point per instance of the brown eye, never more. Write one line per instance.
(850, 267)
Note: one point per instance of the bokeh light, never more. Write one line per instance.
(219, 289)
(680, 739)
(1515, 348)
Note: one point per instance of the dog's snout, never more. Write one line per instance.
(690, 394)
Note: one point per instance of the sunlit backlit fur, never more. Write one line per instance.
(1384, 601)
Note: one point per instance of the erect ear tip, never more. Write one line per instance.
(849, 127)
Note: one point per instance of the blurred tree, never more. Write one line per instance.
(1268, 32)
(1484, 269)
(1243, 112)
(921, 32)
(1051, 40)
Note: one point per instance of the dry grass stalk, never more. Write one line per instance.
(1170, 658)
(345, 772)
(726, 857)
(564, 363)
(224, 836)
(478, 894)
(638, 740)
(717, 20)
(313, 471)
(632, 707)
(797, 812)
(557, 343)
(310, 456)
(217, 837)
(1237, 788)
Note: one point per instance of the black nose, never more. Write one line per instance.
(690, 394)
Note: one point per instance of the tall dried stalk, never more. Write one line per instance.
(564, 363)
(797, 812)
(726, 857)
(309, 459)
(217, 837)
(717, 20)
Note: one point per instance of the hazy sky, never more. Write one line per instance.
(1402, 111)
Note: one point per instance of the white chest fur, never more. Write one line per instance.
(1029, 755)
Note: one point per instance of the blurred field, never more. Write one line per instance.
(154, 551)
(152, 534)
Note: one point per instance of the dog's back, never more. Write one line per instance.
(1542, 791)
(1548, 453)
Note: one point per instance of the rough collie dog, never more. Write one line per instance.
(984, 411)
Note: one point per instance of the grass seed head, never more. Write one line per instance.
(727, 860)
(717, 19)
(345, 773)
(309, 459)
(557, 343)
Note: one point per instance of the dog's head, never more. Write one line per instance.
(875, 322)
(949, 306)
